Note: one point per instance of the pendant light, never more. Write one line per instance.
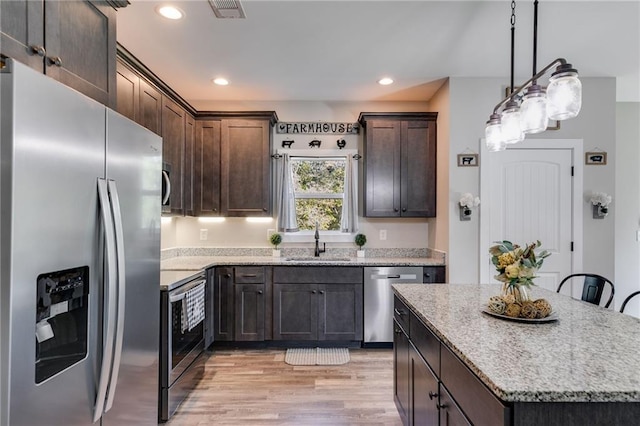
(562, 99)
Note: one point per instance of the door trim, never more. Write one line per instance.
(577, 209)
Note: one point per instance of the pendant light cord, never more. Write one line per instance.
(535, 37)
(513, 37)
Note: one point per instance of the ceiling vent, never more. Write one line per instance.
(227, 9)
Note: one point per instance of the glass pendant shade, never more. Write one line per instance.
(511, 128)
(564, 93)
(493, 134)
(533, 111)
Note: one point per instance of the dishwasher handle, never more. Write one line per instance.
(412, 277)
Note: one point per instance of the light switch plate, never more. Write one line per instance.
(204, 234)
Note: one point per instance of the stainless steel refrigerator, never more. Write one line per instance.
(79, 258)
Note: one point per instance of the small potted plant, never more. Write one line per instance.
(275, 239)
(360, 240)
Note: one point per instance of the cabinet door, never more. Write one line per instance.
(128, 86)
(189, 165)
(382, 168)
(295, 313)
(173, 135)
(81, 47)
(340, 312)
(418, 171)
(401, 372)
(245, 168)
(223, 309)
(207, 182)
(22, 32)
(249, 315)
(150, 108)
(450, 413)
(433, 274)
(424, 391)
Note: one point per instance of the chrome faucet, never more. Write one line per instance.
(317, 252)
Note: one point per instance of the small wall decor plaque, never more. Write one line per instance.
(595, 158)
(318, 128)
(467, 160)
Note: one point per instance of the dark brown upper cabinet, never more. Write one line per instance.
(207, 168)
(137, 99)
(74, 42)
(173, 150)
(400, 164)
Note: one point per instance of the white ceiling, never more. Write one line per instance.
(336, 50)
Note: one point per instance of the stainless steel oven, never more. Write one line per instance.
(181, 348)
(166, 187)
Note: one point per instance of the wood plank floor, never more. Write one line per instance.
(256, 387)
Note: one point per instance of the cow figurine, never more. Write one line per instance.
(287, 144)
(341, 143)
(315, 143)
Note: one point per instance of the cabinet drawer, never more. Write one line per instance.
(477, 402)
(249, 275)
(401, 313)
(427, 344)
(450, 413)
(433, 274)
(318, 275)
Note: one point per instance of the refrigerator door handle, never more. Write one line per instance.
(110, 299)
(120, 253)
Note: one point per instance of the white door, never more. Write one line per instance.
(528, 193)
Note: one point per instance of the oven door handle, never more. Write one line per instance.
(181, 292)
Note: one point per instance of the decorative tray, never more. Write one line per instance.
(553, 316)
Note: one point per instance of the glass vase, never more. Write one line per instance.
(519, 292)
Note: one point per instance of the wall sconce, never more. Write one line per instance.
(600, 202)
(466, 203)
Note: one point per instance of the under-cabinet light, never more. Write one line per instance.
(259, 219)
(211, 219)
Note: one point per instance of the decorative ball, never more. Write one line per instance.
(509, 298)
(513, 310)
(543, 307)
(528, 310)
(497, 305)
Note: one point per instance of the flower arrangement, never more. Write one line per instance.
(601, 201)
(468, 201)
(517, 267)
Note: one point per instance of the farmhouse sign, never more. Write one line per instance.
(317, 128)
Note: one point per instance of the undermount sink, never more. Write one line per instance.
(318, 259)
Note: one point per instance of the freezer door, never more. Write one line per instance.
(53, 153)
(134, 165)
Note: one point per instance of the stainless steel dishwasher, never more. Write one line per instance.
(378, 300)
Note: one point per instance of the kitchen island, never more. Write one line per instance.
(582, 369)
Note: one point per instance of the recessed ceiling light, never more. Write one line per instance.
(170, 12)
(385, 81)
(220, 81)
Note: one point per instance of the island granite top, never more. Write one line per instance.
(590, 354)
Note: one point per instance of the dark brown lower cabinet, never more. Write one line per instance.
(423, 406)
(401, 372)
(249, 312)
(317, 311)
(450, 413)
(223, 304)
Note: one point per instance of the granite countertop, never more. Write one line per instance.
(589, 355)
(196, 263)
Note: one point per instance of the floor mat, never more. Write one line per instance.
(317, 356)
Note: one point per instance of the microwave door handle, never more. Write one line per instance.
(109, 302)
(120, 253)
(167, 193)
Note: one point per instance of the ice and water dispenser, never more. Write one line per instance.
(61, 320)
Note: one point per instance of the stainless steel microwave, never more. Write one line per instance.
(166, 187)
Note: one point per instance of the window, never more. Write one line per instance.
(320, 188)
(318, 185)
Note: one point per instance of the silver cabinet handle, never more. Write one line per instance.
(54, 60)
(110, 299)
(399, 312)
(249, 275)
(259, 291)
(38, 50)
(432, 395)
